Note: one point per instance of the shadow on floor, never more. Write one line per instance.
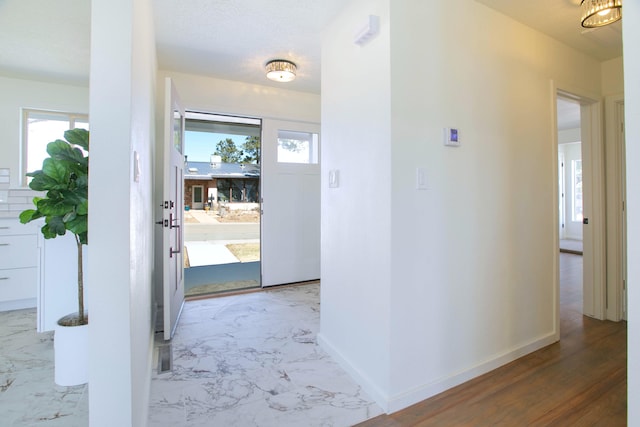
(210, 279)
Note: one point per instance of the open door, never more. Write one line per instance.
(290, 202)
(173, 209)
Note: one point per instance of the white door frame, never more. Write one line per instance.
(594, 233)
(616, 209)
(593, 190)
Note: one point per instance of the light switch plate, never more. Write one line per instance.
(334, 178)
(421, 179)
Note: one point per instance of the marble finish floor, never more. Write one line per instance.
(252, 360)
(243, 360)
(28, 394)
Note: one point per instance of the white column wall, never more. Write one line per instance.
(356, 227)
(631, 35)
(120, 247)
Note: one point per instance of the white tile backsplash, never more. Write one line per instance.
(5, 177)
(14, 201)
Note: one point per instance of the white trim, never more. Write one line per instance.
(615, 176)
(594, 237)
(594, 234)
(391, 404)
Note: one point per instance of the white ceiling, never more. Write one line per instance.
(568, 114)
(233, 39)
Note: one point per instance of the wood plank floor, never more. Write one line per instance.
(579, 381)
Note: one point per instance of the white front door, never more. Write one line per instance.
(197, 196)
(173, 208)
(290, 182)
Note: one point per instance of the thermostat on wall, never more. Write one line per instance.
(451, 137)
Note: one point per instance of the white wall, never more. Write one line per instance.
(472, 282)
(17, 94)
(631, 34)
(123, 75)
(356, 217)
(613, 76)
(200, 93)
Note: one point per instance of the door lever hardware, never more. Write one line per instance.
(164, 222)
(172, 251)
(172, 220)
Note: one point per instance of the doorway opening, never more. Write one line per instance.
(222, 204)
(585, 177)
(570, 176)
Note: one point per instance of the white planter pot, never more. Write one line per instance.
(71, 351)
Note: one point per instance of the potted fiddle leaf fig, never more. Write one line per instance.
(64, 179)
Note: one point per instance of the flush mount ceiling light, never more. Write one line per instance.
(280, 70)
(597, 13)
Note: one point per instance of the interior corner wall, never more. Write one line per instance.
(356, 228)
(18, 94)
(122, 85)
(631, 34)
(427, 288)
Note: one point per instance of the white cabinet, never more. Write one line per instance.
(20, 254)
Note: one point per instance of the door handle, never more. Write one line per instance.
(173, 251)
(172, 220)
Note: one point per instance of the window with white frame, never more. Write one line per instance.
(297, 147)
(41, 127)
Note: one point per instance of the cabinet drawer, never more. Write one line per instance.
(18, 251)
(13, 227)
(18, 283)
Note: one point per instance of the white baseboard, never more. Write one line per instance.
(18, 304)
(409, 397)
(367, 385)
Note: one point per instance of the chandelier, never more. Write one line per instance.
(597, 13)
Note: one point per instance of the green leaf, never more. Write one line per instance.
(69, 217)
(73, 197)
(79, 137)
(83, 238)
(56, 170)
(78, 225)
(83, 209)
(42, 182)
(56, 225)
(54, 207)
(61, 150)
(27, 216)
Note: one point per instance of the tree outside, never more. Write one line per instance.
(248, 153)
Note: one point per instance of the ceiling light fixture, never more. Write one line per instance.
(280, 70)
(597, 13)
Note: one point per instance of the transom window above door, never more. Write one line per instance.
(297, 147)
